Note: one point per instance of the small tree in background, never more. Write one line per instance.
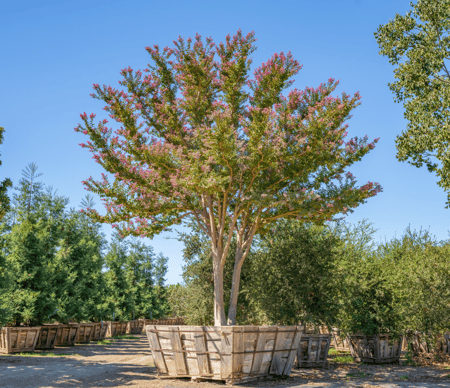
(118, 294)
(296, 275)
(419, 45)
(201, 141)
(418, 267)
(135, 280)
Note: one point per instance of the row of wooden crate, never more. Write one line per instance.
(245, 353)
(27, 339)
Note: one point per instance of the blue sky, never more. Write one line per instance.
(52, 52)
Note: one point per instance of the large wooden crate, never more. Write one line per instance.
(99, 331)
(313, 350)
(123, 327)
(47, 337)
(116, 328)
(421, 344)
(376, 349)
(231, 353)
(18, 339)
(85, 332)
(339, 343)
(135, 327)
(67, 335)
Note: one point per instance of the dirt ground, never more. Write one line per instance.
(128, 363)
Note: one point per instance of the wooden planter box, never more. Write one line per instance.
(231, 353)
(341, 345)
(18, 339)
(66, 335)
(123, 327)
(313, 351)
(376, 349)
(422, 344)
(136, 326)
(47, 337)
(85, 332)
(116, 328)
(99, 331)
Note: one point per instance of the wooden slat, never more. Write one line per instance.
(226, 349)
(258, 357)
(310, 341)
(238, 347)
(155, 347)
(327, 349)
(26, 339)
(179, 357)
(36, 338)
(202, 358)
(277, 364)
(292, 354)
(319, 349)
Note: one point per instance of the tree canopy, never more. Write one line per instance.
(199, 140)
(418, 44)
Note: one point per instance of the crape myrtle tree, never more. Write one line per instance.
(418, 44)
(199, 140)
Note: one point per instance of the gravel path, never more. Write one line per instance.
(128, 363)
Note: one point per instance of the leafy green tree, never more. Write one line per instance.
(5, 278)
(372, 307)
(135, 279)
(4, 199)
(161, 307)
(141, 278)
(418, 43)
(39, 216)
(80, 287)
(420, 273)
(119, 297)
(199, 140)
(296, 275)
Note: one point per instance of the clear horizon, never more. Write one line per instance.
(53, 52)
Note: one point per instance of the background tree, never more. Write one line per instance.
(80, 287)
(200, 141)
(419, 45)
(419, 270)
(5, 277)
(118, 294)
(4, 199)
(145, 276)
(297, 275)
(160, 305)
(39, 216)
